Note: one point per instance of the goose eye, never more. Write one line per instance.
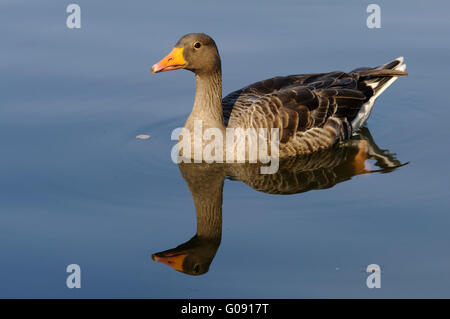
(196, 268)
(197, 45)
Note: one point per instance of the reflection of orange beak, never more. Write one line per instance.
(359, 162)
(174, 260)
(173, 61)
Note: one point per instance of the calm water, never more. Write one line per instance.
(76, 186)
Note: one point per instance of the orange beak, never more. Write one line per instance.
(174, 260)
(173, 61)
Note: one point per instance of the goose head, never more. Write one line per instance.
(196, 52)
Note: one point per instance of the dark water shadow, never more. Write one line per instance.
(320, 170)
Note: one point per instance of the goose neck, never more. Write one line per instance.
(208, 99)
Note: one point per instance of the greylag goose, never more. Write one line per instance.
(310, 111)
(318, 170)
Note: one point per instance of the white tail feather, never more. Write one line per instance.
(364, 112)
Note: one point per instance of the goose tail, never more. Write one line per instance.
(375, 81)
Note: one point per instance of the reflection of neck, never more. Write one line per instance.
(205, 182)
(209, 218)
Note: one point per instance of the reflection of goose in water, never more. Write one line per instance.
(300, 174)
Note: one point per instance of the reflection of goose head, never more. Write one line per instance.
(319, 170)
(193, 257)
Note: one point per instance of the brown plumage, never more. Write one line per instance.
(311, 111)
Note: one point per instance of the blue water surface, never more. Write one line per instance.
(76, 186)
